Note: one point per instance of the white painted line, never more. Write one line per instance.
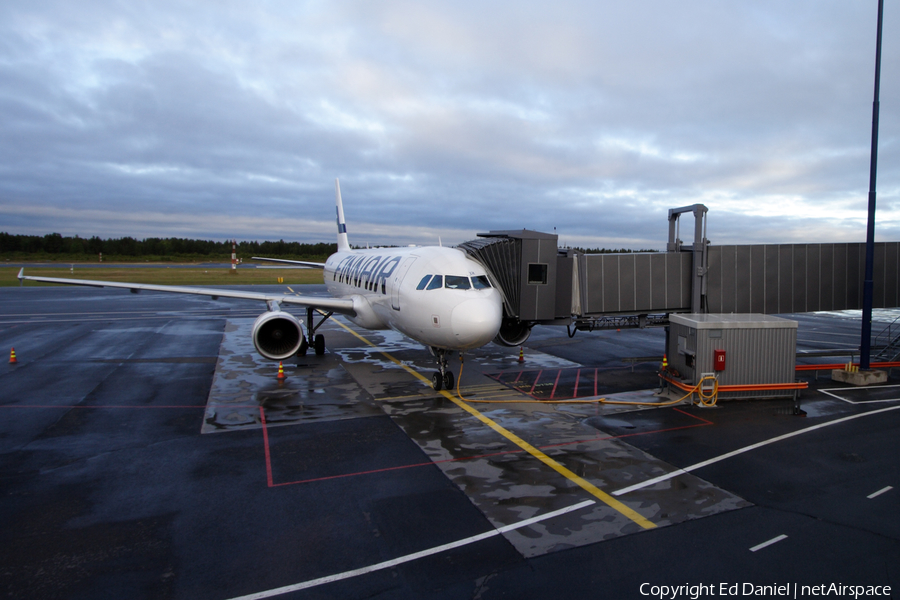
(410, 557)
(828, 392)
(774, 540)
(722, 457)
(880, 492)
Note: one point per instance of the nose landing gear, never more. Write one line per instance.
(444, 378)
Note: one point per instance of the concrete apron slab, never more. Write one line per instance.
(500, 478)
(316, 388)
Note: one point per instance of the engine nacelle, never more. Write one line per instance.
(277, 335)
(513, 332)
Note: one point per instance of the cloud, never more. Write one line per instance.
(454, 117)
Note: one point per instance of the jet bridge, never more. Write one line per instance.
(544, 284)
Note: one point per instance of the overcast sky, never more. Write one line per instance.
(444, 119)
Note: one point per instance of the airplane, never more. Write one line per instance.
(435, 295)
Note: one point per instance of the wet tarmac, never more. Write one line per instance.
(147, 452)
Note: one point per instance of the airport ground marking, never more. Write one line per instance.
(774, 540)
(553, 464)
(432, 463)
(880, 492)
(842, 399)
(733, 453)
(414, 556)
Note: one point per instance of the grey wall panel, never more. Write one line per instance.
(855, 275)
(687, 261)
(610, 283)
(839, 276)
(877, 275)
(785, 278)
(826, 276)
(798, 291)
(591, 284)
(743, 281)
(729, 273)
(714, 279)
(771, 306)
(660, 281)
(757, 279)
(643, 283)
(891, 274)
(813, 265)
(626, 283)
(678, 274)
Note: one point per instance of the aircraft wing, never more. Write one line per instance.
(301, 263)
(339, 305)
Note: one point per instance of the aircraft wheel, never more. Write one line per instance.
(320, 344)
(436, 381)
(448, 380)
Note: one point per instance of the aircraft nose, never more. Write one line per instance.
(476, 321)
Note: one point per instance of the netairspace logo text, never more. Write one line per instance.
(787, 590)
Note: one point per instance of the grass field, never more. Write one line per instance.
(169, 276)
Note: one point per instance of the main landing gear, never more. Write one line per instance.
(444, 378)
(318, 339)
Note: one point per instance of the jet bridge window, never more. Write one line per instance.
(480, 282)
(424, 282)
(455, 282)
(437, 282)
(537, 274)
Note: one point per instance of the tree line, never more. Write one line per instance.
(609, 251)
(57, 245)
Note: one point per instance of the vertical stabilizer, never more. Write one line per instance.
(342, 244)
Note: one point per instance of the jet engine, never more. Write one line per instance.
(277, 335)
(513, 332)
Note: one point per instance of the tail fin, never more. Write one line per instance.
(342, 244)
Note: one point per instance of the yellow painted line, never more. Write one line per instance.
(556, 466)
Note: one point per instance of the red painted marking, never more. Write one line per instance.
(265, 430)
(555, 383)
(474, 457)
(694, 416)
(531, 391)
(577, 377)
(595, 382)
(516, 380)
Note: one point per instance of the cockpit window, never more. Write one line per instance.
(455, 282)
(424, 282)
(480, 282)
(436, 283)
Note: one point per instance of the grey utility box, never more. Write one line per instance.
(740, 349)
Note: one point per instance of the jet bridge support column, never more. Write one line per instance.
(698, 288)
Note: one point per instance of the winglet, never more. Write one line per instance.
(21, 276)
(343, 245)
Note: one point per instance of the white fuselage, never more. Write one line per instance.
(434, 295)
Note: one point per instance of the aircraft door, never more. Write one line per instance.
(398, 279)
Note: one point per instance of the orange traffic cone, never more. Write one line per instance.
(665, 363)
(521, 354)
(280, 371)
(12, 356)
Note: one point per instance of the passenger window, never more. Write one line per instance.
(480, 282)
(423, 283)
(436, 283)
(455, 282)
